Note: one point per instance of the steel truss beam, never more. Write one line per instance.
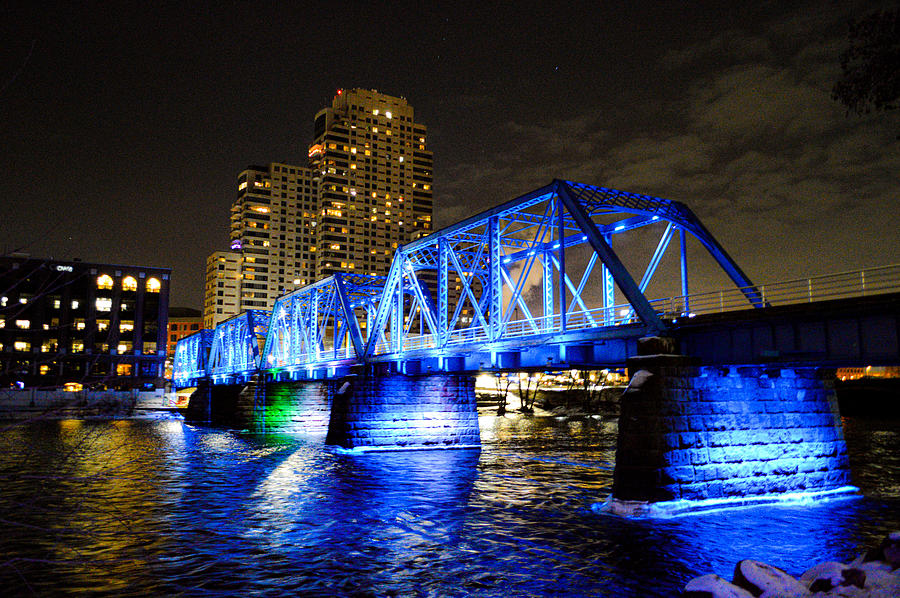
(504, 278)
(235, 348)
(191, 358)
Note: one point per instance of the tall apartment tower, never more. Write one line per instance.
(365, 189)
(222, 287)
(375, 191)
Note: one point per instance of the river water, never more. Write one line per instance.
(132, 507)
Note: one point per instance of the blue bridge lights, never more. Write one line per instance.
(537, 274)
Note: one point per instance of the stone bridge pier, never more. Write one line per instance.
(372, 410)
(693, 435)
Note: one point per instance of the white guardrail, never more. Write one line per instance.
(858, 283)
(843, 285)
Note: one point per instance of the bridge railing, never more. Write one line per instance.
(857, 283)
(601, 316)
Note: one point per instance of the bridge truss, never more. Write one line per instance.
(191, 359)
(519, 284)
(236, 345)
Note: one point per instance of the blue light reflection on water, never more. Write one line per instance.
(161, 507)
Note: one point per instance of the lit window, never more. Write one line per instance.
(23, 324)
(401, 158)
(79, 324)
(123, 369)
(375, 112)
(153, 285)
(104, 281)
(388, 114)
(44, 369)
(75, 304)
(129, 283)
(102, 325)
(104, 304)
(22, 346)
(56, 304)
(242, 186)
(2, 323)
(126, 326)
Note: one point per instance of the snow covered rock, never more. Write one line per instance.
(713, 586)
(766, 581)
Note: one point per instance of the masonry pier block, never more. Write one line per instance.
(214, 404)
(395, 411)
(691, 433)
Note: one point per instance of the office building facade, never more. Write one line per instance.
(100, 326)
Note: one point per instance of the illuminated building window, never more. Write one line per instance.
(22, 346)
(123, 369)
(104, 281)
(103, 304)
(242, 186)
(75, 304)
(388, 114)
(102, 325)
(44, 370)
(124, 348)
(126, 326)
(79, 323)
(129, 283)
(153, 285)
(23, 324)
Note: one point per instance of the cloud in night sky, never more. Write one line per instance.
(751, 141)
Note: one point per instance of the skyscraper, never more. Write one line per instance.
(365, 189)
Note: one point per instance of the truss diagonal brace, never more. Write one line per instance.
(387, 298)
(611, 260)
(349, 317)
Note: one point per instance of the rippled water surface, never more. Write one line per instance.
(160, 507)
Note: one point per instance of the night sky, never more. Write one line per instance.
(123, 130)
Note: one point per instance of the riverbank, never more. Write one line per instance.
(23, 405)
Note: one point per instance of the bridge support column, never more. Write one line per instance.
(214, 404)
(692, 437)
(393, 411)
(290, 407)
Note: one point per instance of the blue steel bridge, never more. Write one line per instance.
(537, 283)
